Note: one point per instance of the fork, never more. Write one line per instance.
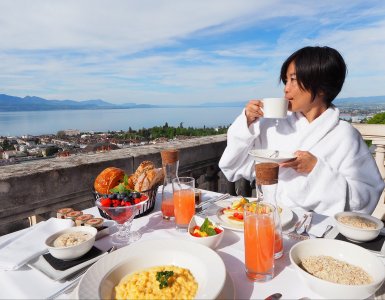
(294, 233)
(200, 207)
(306, 226)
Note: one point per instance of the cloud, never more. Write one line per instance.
(179, 51)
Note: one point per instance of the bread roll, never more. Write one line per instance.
(143, 167)
(108, 179)
(148, 179)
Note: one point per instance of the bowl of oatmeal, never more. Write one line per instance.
(358, 227)
(336, 269)
(71, 243)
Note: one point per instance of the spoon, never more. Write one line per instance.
(274, 154)
(328, 229)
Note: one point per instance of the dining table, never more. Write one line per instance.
(29, 283)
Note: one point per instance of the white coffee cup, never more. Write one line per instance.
(275, 108)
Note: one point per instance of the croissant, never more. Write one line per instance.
(108, 179)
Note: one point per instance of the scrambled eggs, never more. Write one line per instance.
(144, 284)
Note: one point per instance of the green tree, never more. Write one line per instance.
(377, 119)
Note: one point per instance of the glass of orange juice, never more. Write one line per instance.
(184, 201)
(259, 234)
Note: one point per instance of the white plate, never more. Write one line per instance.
(263, 155)
(200, 260)
(228, 291)
(286, 215)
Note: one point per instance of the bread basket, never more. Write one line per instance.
(144, 210)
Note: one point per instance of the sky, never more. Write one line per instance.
(181, 51)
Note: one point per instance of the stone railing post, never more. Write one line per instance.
(380, 155)
(212, 177)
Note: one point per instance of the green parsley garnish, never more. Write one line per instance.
(207, 227)
(121, 187)
(163, 277)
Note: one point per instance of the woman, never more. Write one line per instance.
(333, 170)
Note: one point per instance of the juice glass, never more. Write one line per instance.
(167, 208)
(259, 234)
(184, 201)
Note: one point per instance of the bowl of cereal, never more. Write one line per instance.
(168, 268)
(358, 227)
(71, 243)
(336, 269)
(205, 232)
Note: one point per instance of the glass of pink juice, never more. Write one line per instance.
(167, 208)
(184, 201)
(259, 235)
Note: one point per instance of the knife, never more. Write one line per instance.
(207, 203)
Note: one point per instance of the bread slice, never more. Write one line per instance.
(144, 165)
(153, 176)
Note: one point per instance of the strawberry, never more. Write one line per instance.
(105, 202)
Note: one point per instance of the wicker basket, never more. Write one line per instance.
(144, 210)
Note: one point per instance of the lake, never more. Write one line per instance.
(48, 122)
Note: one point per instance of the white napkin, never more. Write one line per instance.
(24, 247)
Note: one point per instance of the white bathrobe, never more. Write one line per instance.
(345, 177)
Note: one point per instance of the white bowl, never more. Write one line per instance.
(100, 280)
(357, 234)
(71, 252)
(343, 251)
(208, 241)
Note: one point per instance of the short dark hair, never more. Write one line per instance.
(318, 69)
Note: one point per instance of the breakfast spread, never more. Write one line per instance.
(63, 211)
(357, 221)
(206, 229)
(73, 214)
(71, 239)
(161, 282)
(334, 270)
(82, 219)
(95, 222)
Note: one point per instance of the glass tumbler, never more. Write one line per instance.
(184, 201)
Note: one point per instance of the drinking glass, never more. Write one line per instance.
(266, 178)
(123, 216)
(184, 201)
(259, 234)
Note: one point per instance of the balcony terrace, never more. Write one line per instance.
(39, 188)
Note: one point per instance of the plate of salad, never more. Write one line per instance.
(230, 215)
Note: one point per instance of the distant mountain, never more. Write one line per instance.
(361, 100)
(33, 103)
(224, 104)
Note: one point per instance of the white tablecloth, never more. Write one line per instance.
(27, 283)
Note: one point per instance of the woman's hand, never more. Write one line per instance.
(303, 163)
(253, 111)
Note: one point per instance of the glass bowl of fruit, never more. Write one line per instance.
(206, 232)
(123, 211)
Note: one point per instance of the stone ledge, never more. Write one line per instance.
(40, 187)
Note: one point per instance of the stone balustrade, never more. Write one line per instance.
(41, 187)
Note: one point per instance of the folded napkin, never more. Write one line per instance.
(24, 247)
